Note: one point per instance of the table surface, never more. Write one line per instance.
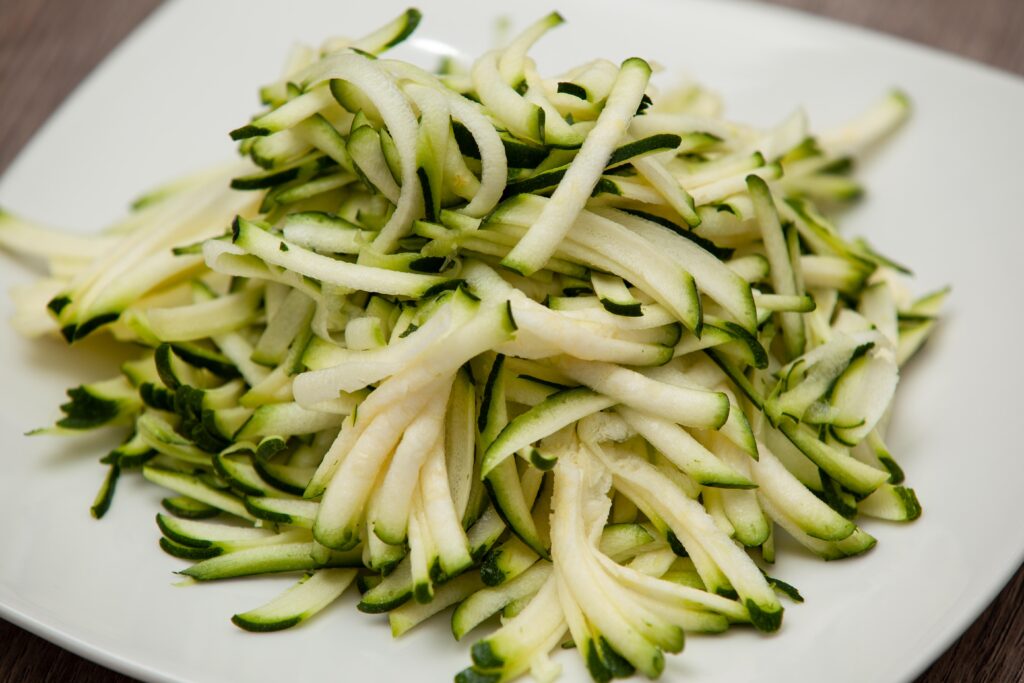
(48, 46)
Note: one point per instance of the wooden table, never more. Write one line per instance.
(48, 46)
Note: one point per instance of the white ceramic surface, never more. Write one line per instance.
(941, 196)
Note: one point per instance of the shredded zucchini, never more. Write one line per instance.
(569, 349)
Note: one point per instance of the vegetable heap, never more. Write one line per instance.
(570, 350)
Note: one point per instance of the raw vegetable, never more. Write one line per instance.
(571, 350)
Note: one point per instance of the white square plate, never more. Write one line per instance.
(941, 197)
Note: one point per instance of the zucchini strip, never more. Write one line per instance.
(377, 85)
(541, 240)
(311, 595)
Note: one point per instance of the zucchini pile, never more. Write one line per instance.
(570, 351)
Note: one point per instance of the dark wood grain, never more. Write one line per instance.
(990, 31)
(48, 46)
(24, 658)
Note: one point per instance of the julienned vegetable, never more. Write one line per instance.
(569, 350)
